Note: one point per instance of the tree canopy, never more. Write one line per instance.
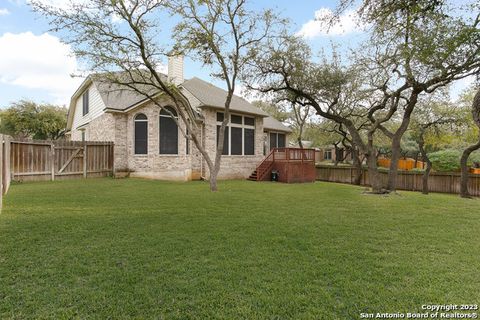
(27, 119)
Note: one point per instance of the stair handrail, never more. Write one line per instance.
(260, 171)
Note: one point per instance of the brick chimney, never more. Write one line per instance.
(175, 69)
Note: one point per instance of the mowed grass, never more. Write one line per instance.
(118, 249)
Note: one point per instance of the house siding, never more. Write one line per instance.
(96, 109)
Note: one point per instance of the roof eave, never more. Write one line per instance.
(277, 129)
(234, 110)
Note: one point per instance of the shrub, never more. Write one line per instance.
(446, 160)
(449, 159)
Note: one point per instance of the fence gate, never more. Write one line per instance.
(50, 160)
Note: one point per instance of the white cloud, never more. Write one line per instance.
(38, 62)
(4, 12)
(346, 23)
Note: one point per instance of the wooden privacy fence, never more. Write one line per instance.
(4, 166)
(407, 180)
(50, 160)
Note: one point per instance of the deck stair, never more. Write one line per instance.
(264, 168)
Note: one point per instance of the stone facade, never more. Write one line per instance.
(119, 128)
(232, 167)
(153, 164)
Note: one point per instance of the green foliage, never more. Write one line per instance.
(445, 160)
(27, 119)
(449, 160)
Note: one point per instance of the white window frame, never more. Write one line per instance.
(243, 126)
(135, 120)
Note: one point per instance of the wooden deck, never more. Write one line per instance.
(294, 165)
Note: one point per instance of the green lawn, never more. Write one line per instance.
(105, 248)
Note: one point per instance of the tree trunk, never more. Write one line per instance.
(213, 182)
(374, 175)
(393, 170)
(300, 144)
(465, 172)
(425, 176)
(358, 167)
(335, 154)
(426, 173)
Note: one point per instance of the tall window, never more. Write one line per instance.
(85, 102)
(141, 134)
(239, 135)
(168, 131)
(277, 140)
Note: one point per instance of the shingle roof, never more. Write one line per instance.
(120, 98)
(212, 96)
(200, 94)
(271, 123)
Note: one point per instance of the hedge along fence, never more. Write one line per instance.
(407, 180)
(51, 160)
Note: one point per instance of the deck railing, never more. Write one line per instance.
(295, 154)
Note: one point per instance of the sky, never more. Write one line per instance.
(36, 65)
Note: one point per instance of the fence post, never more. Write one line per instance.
(6, 163)
(52, 161)
(1, 171)
(84, 159)
(451, 187)
(112, 155)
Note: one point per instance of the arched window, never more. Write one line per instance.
(141, 134)
(168, 131)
